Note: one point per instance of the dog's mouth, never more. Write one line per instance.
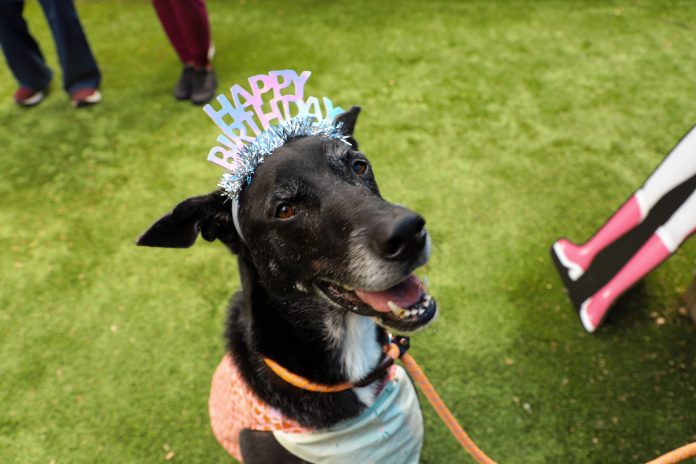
(405, 307)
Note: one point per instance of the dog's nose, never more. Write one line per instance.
(404, 238)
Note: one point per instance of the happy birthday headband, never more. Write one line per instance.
(252, 128)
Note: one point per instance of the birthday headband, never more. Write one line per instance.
(252, 129)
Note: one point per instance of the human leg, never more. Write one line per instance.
(167, 12)
(680, 226)
(195, 30)
(21, 51)
(661, 245)
(80, 70)
(192, 17)
(677, 167)
(186, 24)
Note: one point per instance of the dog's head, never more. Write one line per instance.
(313, 221)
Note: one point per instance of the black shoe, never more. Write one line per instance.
(182, 90)
(203, 86)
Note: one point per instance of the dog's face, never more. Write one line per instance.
(313, 221)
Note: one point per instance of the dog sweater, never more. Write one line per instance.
(233, 407)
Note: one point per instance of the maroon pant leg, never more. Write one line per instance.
(186, 24)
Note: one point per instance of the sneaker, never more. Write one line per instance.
(25, 96)
(85, 97)
(182, 90)
(203, 86)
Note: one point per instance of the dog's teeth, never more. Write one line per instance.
(350, 289)
(398, 311)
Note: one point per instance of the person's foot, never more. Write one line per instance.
(573, 257)
(182, 90)
(593, 309)
(203, 86)
(85, 97)
(24, 96)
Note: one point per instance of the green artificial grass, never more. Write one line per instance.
(507, 124)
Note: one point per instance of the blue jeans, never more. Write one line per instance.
(24, 56)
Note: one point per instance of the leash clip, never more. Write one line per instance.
(402, 342)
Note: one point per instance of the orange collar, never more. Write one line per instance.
(396, 347)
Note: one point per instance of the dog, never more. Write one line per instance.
(326, 271)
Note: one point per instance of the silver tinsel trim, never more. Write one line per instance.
(253, 154)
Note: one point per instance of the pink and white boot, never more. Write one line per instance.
(577, 258)
(650, 255)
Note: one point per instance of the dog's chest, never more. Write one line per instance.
(359, 352)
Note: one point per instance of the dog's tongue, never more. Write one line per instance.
(405, 294)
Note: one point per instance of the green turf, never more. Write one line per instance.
(507, 124)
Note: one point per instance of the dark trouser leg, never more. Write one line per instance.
(20, 49)
(167, 14)
(79, 66)
(186, 24)
(196, 32)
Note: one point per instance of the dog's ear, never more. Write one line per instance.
(348, 120)
(210, 215)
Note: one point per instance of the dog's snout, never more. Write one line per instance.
(404, 238)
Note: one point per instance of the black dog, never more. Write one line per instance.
(325, 265)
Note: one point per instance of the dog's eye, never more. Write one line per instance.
(285, 211)
(359, 167)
